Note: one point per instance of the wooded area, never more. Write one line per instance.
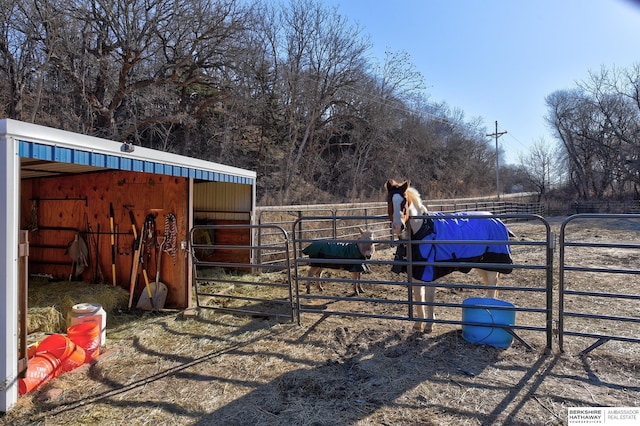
(291, 90)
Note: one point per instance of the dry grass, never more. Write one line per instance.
(229, 370)
(51, 303)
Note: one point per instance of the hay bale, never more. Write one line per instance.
(46, 320)
(51, 303)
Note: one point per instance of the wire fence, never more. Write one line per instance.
(372, 216)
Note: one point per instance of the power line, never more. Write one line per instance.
(497, 135)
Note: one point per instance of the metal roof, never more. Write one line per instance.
(46, 151)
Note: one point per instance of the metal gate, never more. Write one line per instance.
(227, 278)
(602, 301)
(393, 298)
(601, 307)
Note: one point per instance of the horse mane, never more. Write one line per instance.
(415, 196)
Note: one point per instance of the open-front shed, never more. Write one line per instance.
(58, 188)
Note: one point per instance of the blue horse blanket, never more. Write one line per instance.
(463, 227)
(328, 250)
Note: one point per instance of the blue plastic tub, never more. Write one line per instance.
(483, 310)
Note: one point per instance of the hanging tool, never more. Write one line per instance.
(73, 259)
(113, 246)
(138, 258)
(33, 216)
(171, 236)
(137, 242)
(99, 277)
(93, 239)
(150, 242)
(79, 252)
(159, 288)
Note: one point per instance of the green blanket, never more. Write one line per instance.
(327, 250)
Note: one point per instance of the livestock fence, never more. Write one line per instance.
(597, 300)
(235, 287)
(330, 227)
(288, 217)
(606, 207)
(391, 297)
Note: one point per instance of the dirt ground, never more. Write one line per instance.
(222, 369)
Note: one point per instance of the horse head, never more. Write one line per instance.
(398, 205)
(366, 243)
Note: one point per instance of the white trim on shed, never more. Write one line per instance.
(59, 151)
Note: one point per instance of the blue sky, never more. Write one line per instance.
(499, 59)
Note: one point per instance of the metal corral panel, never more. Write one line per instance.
(222, 201)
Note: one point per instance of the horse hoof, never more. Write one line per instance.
(423, 328)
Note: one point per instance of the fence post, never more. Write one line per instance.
(299, 231)
(334, 226)
(259, 231)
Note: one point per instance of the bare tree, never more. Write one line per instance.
(318, 55)
(21, 57)
(285, 89)
(575, 122)
(130, 69)
(615, 93)
(541, 167)
(598, 124)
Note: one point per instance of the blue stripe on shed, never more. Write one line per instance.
(40, 151)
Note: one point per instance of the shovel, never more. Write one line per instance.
(159, 289)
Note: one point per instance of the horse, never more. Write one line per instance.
(405, 208)
(363, 249)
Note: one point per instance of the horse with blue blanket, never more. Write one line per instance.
(411, 220)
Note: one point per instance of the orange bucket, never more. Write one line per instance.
(87, 336)
(57, 345)
(75, 359)
(69, 354)
(40, 369)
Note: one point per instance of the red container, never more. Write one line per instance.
(57, 345)
(40, 369)
(87, 336)
(75, 359)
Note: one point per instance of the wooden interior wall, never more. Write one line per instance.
(54, 208)
(227, 237)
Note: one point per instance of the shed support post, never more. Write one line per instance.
(9, 225)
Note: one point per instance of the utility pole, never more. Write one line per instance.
(497, 135)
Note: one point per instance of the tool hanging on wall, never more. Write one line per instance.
(113, 245)
(137, 242)
(150, 240)
(33, 216)
(93, 239)
(99, 276)
(79, 251)
(138, 257)
(171, 236)
(159, 289)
